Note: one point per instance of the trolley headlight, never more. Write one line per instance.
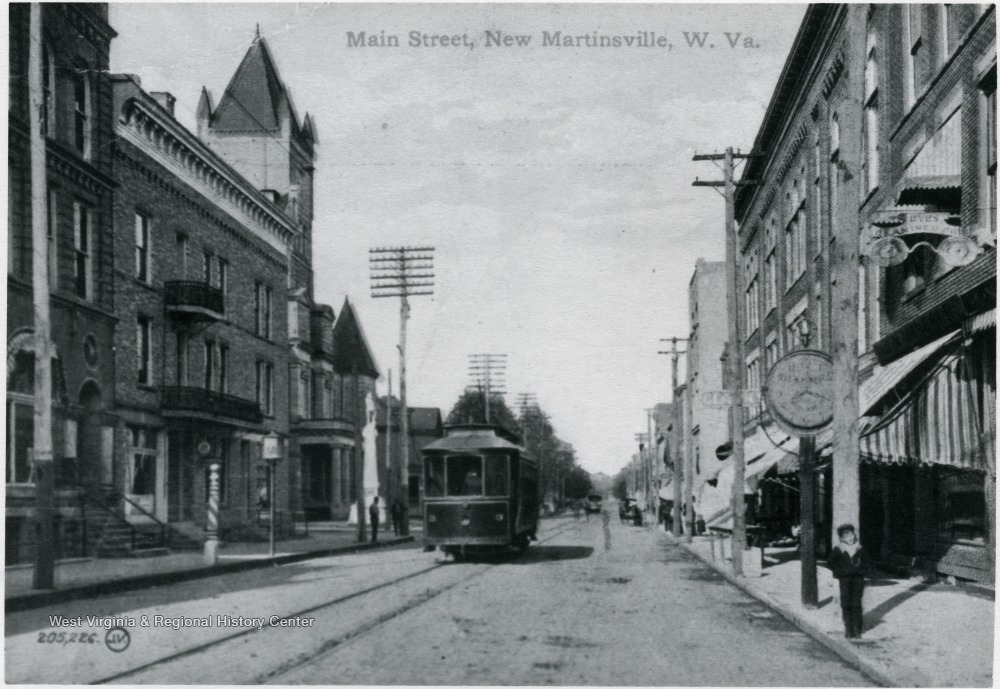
(432, 518)
(466, 521)
(499, 516)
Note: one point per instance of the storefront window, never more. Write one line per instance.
(434, 478)
(961, 505)
(465, 475)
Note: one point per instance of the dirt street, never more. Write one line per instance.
(582, 606)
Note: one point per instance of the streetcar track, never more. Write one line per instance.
(333, 643)
(370, 626)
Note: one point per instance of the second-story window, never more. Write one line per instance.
(144, 350)
(81, 112)
(870, 139)
(207, 267)
(142, 268)
(917, 58)
(988, 132)
(52, 232)
(262, 310)
(182, 252)
(83, 265)
(223, 368)
(182, 358)
(265, 387)
(48, 92)
(209, 365)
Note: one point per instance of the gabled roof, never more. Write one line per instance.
(254, 94)
(350, 346)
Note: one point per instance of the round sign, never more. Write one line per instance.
(204, 448)
(798, 392)
(724, 450)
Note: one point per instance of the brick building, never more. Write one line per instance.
(77, 126)
(924, 180)
(202, 344)
(706, 341)
(929, 227)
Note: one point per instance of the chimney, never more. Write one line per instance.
(166, 100)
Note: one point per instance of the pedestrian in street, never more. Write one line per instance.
(849, 562)
(576, 510)
(373, 518)
(396, 512)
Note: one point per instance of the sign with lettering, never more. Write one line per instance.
(882, 240)
(798, 392)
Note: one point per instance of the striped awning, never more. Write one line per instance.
(938, 422)
(938, 164)
(885, 378)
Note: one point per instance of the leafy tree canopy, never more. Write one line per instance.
(471, 408)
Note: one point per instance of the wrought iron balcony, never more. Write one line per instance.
(194, 299)
(179, 398)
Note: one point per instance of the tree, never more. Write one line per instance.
(578, 483)
(471, 408)
(620, 488)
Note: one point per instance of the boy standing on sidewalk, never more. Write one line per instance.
(849, 562)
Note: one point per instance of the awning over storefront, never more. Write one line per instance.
(937, 422)
(885, 378)
(789, 462)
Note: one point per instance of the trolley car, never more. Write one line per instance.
(480, 491)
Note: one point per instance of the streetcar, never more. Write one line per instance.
(480, 492)
(594, 502)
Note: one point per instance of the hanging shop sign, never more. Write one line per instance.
(883, 239)
(799, 392)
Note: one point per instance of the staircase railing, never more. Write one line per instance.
(114, 516)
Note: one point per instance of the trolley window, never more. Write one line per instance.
(465, 475)
(434, 477)
(496, 475)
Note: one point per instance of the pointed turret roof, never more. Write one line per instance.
(350, 346)
(254, 94)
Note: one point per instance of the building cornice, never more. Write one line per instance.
(153, 131)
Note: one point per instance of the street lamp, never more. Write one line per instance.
(272, 455)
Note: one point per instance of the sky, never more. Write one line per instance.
(553, 180)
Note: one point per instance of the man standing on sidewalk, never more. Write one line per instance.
(396, 513)
(373, 518)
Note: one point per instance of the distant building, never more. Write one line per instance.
(707, 339)
(425, 426)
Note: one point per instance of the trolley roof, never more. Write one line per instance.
(471, 437)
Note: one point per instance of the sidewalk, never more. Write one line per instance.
(916, 634)
(85, 578)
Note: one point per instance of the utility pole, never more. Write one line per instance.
(41, 455)
(651, 464)
(388, 428)
(678, 429)
(403, 272)
(844, 262)
(735, 289)
(486, 372)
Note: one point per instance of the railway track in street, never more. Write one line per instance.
(247, 655)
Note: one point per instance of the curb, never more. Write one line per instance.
(31, 601)
(841, 648)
